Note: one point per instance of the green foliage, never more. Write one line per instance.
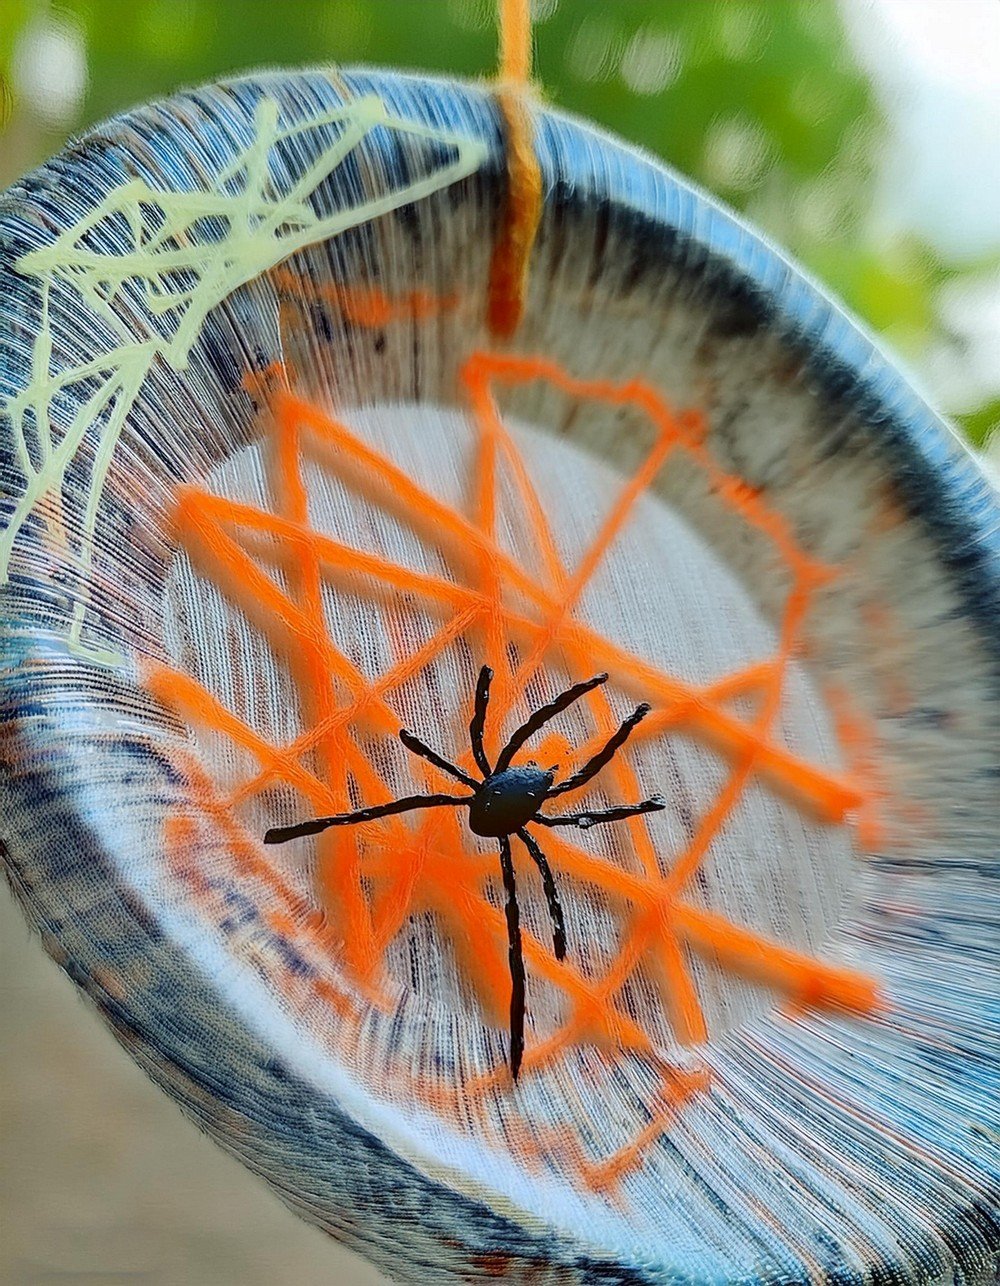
(759, 101)
(982, 424)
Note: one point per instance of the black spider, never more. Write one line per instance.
(502, 805)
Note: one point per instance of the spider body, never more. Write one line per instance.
(508, 800)
(504, 802)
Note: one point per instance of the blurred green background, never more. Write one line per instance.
(781, 107)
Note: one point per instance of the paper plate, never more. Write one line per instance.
(271, 491)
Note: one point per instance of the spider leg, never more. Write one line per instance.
(478, 723)
(551, 894)
(418, 747)
(543, 715)
(280, 834)
(604, 756)
(602, 815)
(515, 956)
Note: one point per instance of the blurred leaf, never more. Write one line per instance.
(981, 425)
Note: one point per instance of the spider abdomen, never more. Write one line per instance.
(508, 799)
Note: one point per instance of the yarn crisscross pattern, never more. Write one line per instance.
(370, 879)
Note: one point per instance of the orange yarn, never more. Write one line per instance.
(369, 305)
(382, 873)
(292, 918)
(523, 210)
(515, 41)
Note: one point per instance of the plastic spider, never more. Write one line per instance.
(503, 804)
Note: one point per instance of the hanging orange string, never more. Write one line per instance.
(515, 41)
(512, 252)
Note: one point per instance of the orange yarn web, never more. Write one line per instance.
(371, 878)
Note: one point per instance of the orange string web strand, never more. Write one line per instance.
(289, 916)
(688, 1019)
(428, 868)
(656, 925)
(649, 926)
(314, 681)
(369, 306)
(826, 794)
(523, 207)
